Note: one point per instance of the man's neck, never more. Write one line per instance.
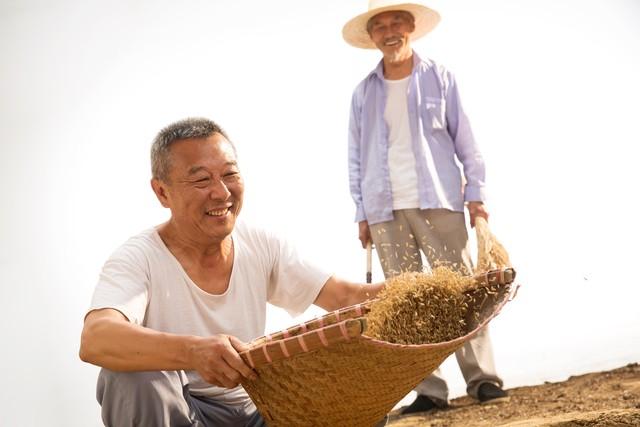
(208, 264)
(196, 249)
(399, 67)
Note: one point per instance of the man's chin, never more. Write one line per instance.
(221, 230)
(396, 56)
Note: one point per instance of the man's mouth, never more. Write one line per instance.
(392, 42)
(219, 212)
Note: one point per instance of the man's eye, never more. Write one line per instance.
(201, 181)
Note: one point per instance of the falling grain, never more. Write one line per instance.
(421, 308)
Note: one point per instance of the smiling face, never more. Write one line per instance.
(204, 188)
(390, 32)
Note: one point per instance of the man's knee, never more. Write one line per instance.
(141, 383)
(133, 398)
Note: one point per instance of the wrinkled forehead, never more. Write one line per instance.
(213, 151)
(226, 147)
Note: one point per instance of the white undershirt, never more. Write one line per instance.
(146, 283)
(402, 163)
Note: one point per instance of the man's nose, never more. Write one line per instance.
(219, 190)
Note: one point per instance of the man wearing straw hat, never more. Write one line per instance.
(407, 132)
(175, 304)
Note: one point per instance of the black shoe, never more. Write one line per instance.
(490, 391)
(421, 404)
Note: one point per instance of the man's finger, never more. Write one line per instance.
(235, 361)
(231, 377)
(225, 374)
(238, 345)
(228, 378)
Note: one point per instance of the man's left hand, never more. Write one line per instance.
(477, 209)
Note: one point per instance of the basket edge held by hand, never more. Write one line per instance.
(328, 372)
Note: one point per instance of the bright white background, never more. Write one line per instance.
(551, 88)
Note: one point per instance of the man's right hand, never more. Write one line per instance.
(217, 360)
(109, 340)
(363, 233)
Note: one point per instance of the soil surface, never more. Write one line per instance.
(610, 398)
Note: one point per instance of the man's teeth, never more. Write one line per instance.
(218, 212)
(392, 42)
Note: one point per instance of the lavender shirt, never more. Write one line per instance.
(440, 134)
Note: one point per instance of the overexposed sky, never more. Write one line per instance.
(551, 88)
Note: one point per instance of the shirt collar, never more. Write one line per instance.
(379, 71)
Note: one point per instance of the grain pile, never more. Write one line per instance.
(421, 308)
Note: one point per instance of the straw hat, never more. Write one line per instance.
(355, 31)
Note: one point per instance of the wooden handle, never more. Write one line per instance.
(369, 262)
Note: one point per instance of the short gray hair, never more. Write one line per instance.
(193, 127)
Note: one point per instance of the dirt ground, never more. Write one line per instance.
(610, 398)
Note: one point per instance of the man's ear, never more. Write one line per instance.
(160, 188)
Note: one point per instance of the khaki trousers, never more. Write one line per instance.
(441, 235)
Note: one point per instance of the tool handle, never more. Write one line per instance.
(369, 261)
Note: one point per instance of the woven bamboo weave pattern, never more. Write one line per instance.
(352, 383)
(347, 378)
(307, 337)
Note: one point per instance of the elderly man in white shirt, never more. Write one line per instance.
(175, 304)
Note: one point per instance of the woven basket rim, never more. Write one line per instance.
(264, 349)
(300, 367)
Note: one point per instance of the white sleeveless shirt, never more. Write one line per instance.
(402, 162)
(145, 282)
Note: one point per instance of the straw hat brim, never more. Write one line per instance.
(355, 31)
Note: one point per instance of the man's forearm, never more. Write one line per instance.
(337, 293)
(122, 346)
(365, 292)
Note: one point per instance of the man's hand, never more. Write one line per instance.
(111, 341)
(217, 360)
(477, 209)
(363, 233)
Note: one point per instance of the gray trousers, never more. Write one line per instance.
(162, 399)
(442, 236)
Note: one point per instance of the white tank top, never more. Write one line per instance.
(402, 163)
(145, 282)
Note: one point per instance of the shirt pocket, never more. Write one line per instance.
(435, 113)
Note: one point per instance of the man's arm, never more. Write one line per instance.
(337, 293)
(467, 152)
(111, 341)
(355, 176)
(465, 145)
